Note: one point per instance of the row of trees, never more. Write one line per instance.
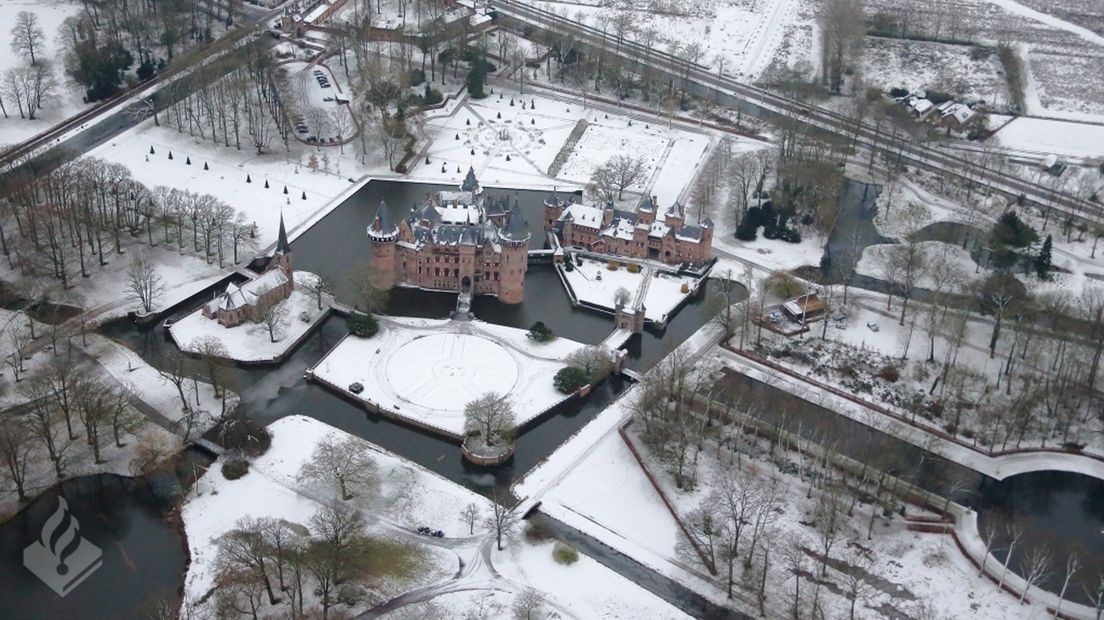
(80, 214)
(69, 409)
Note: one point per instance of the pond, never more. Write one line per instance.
(143, 554)
(1059, 511)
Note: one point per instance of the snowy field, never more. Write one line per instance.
(917, 65)
(250, 342)
(68, 101)
(595, 284)
(404, 492)
(1047, 136)
(739, 36)
(877, 259)
(534, 130)
(427, 370)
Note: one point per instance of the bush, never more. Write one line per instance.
(569, 379)
(633, 268)
(564, 554)
(898, 92)
(685, 288)
(569, 266)
(234, 468)
(890, 373)
(356, 387)
(432, 96)
(539, 332)
(238, 432)
(416, 76)
(613, 265)
(363, 325)
(782, 284)
(537, 533)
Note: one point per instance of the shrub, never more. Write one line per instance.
(569, 266)
(633, 268)
(234, 468)
(612, 265)
(363, 325)
(416, 76)
(537, 533)
(685, 288)
(238, 432)
(356, 387)
(564, 554)
(569, 379)
(890, 373)
(540, 332)
(898, 92)
(432, 96)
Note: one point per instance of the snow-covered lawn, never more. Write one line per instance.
(585, 588)
(532, 132)
(771, 253)
(1048, 136)
(68, 100)
(405, 495)
(876, 261)
(595, 284)
(920, 65)
(156, 390)
(250, 342)
(427, 370)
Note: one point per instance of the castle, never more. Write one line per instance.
(454, 241)
(632, 234)
(251, 300)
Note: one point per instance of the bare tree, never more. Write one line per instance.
(612, 177)
(15, 451)
(1073, 565)
(320, 286)
(491, 417)
(594, 361)
(27, 35)
(527, 603)
(243, 549)
(1035, 568)
(843, 28)
(345, 462)
(1015, 531)
(470, 516)
(144, 285)
(274, 318)
(501, 520)
(337, 555)
(368, 293)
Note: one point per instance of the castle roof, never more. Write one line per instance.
(675, 210)
(515, 229)
(646, 204)
(383, 225)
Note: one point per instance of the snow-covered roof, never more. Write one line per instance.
(920, 105)
(515, 229)
(689, 233)
(659, 229)
(382, 225)
(247, 294)
(622, 228)
(460, 213)
(959, 111)
(583, 215)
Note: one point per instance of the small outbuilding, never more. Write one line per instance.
(809, 307)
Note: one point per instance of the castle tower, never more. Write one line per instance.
(515, 258)
(384, 233)
(553, 209)
(674, 217)
(281, 259)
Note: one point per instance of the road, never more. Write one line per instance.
(95, 126)
(702, 81)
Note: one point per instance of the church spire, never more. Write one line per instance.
(282, 245)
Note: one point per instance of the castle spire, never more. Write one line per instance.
(282, 245)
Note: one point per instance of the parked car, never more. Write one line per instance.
(327, 99)
(872, 325)
(775, 316)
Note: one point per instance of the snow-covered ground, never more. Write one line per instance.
(427, 370)
(1046, 136)
(250, 342)
(156, 390)
(271, 489)
(595, 284)
(877, 262)
(533, 131)
(68, 100)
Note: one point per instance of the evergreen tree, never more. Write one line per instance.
(1042, 259)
